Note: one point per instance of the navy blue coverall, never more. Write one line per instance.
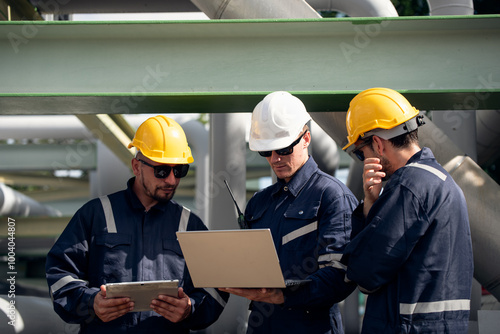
(310, 221)
(413, 253)
(128, 245)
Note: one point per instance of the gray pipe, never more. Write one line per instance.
(13, 203)
(244, 9)
(324, 150)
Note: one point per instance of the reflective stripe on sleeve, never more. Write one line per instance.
(108, 214)
(435, 307)
(331, 260)
(63, 281)
(299, 232)
(183, 223)
(433, 170)
(215, 295)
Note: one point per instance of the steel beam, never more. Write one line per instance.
(115, 135)
(440, 63)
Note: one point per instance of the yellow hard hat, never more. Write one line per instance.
(162, 140)
(381, 109)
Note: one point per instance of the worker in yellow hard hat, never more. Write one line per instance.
(130, 236)
(162, 149)
(411, 247)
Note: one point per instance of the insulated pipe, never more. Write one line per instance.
(482, 195)
(324, 149)
(357, 8)
(13, 203)
(43, 127)
(198, 139)
(445, 7)
(263, 9)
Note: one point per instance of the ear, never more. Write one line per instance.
(135, 166)
(379, 145)
(307, 139)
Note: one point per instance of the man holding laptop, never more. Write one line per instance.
(309, 215)
(129, 236)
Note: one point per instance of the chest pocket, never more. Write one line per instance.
(114, 252)
(173, 264)
(254, 220)
(301, 225)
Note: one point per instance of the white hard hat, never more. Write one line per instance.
(277, 121)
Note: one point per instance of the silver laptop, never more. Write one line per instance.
(232, 259)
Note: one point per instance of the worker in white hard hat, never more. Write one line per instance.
(308, 213)
(411, 248)
(130, 236)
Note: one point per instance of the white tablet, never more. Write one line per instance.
(142, 293)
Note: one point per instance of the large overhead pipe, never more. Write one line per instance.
(13, 203)
(447, 7)
(244, 9)
(357, 8)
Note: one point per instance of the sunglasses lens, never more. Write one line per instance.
(359, 154)
(180, 170)
(285, 151)
(162, 172)
(265, 154)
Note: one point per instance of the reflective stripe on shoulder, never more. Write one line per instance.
(433, 170)
(435, 307)
(299, 232)
(215, 295)
(63, 281)
(331, 260)
(108, 214)
(183, 223)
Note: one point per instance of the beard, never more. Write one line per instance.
(386, 168)
(161, 197)
(157, 193)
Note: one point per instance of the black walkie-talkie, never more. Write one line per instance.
(241, 216)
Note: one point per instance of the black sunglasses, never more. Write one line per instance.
(163, 171)
(284, 151)
(358, 153)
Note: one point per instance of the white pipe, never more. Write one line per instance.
(357, 8)
(13, 203)
(244, 9)
(198, 139)
(446, 7)
(42, 127)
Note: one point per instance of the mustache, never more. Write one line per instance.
(166, 187)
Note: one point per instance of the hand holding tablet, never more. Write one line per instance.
(142, 293)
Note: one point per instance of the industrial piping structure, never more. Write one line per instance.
(480, 190)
